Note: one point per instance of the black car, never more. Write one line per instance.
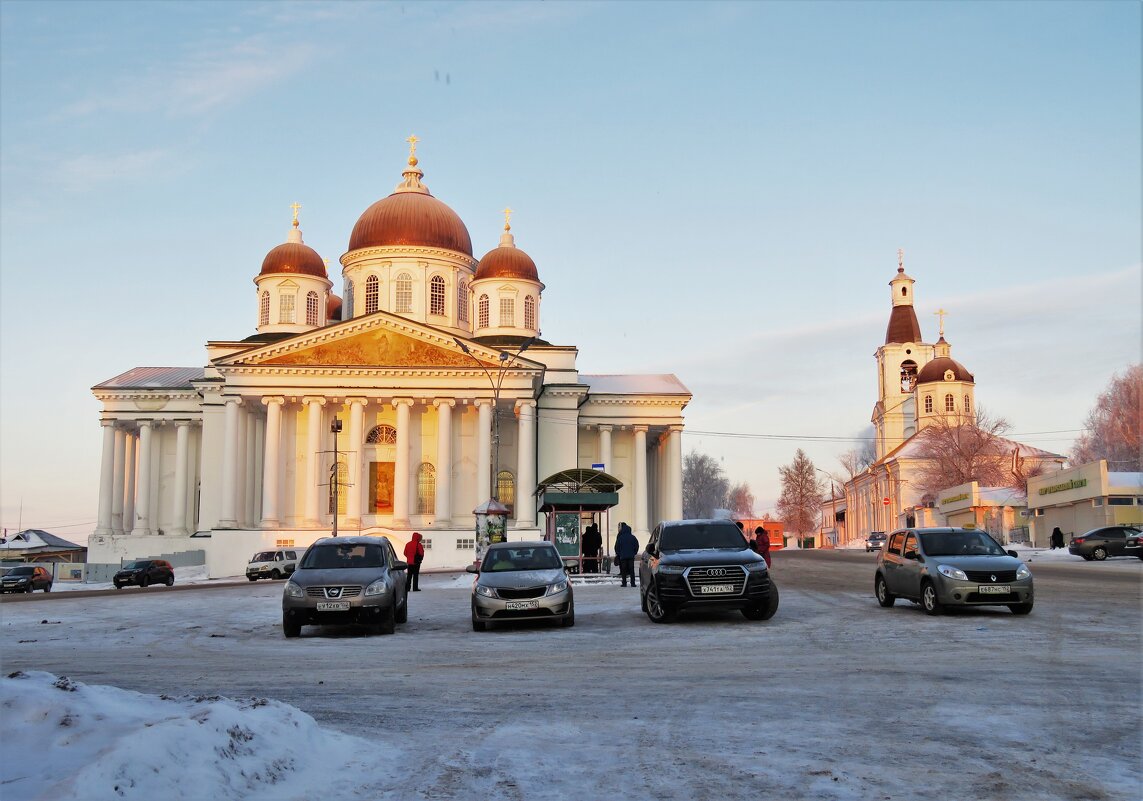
(1105, 541)
(703, 564)
(142, 572)
(26, 578)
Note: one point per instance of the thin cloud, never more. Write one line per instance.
(85, 172)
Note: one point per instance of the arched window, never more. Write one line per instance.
(436, 295)
(404, 299)
(530, 313)
(462, 301)
(426, 489)
(381, 435)
(311, 308)
(967, 405)
(342, 483)
(506, 490)
(482, 312)
(264, 309)
(928, 404)
(508, 312)
(372, 287)
(348, 313)
(287, 311)
(950, 403)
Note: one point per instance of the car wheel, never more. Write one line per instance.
(171, 580)
(143, 582)
(118, 586)
(656, 610)
(1086, 557)
(881, 590)
(1020, 609)
(569, 621)
(1099, 554)
(252, 578)
(48, 588)
(290, 628)
(929, 600)
(403, 611)
(388, 623)
(479, 625)
(30, 590)
(275, 574)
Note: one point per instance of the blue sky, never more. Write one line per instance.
(713, 190)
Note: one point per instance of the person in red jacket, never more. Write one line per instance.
(414, 555)
(762, 543)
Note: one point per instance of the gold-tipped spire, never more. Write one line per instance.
(940, 313)
(900, 260)
(295, 206)
(412, 140)
(507, 219)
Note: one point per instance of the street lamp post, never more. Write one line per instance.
(335, 429)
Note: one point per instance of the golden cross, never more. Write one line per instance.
(507, 218)
(295, 206)
(412, 140)
(901, 258)
(940, 313)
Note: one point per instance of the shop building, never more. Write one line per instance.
(1082, 498)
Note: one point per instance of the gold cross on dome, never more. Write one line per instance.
(940, 313)
(412, 140)
(901, 258)
(295, 206)
(507, 218)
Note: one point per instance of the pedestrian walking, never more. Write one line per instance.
(414, 555)
(626, 549)
(762, 543)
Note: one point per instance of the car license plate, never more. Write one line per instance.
(994, 589)
(333, 606)
(715, 589)
(515, 606)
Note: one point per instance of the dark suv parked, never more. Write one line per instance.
(142, 572)
(1105, 541)
(703, 564)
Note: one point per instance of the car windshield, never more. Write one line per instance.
(501, 559)
(332, 557)
(693, 536)
(960, 543)
(137, 565)
(265, 556)
(20, 571)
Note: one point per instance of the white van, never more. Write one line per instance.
(276, 564)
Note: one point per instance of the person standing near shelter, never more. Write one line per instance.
(1057, 538)
(626, 549)
(592, 545)
(762, 543)
(414, 555)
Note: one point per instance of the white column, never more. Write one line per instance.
(483, 450)
(675, 474)
(354, 461)
(401, 470)
(130, 449)
(271, 461)
(228, 516)
(106, 479)
(605, 449)
(254, 514)
(143, 481)
(640, 489)
(120, 485)
(442, 513)
(182, 467)
(240, 489)
(313, 473)
(526, 464)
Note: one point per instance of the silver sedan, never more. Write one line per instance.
(521, 581)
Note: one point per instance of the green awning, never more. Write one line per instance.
(574, 501)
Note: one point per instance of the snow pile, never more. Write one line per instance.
(68, 740)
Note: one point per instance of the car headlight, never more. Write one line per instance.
(377, 587)
(558, 587)
(294, 590)
(671, 570)
(1023, 572)
(952, 572)
(487, 592)
(756, 567)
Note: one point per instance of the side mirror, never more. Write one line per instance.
(1013, 553)
(400, 565)
(472, 569)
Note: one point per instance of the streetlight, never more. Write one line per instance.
(335, 429)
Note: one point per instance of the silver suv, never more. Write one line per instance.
(346, 580)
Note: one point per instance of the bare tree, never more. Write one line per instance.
(957, 450)
(860, 456)
(740, 501)
(705, 486)
(801, 499)
(1112, 428)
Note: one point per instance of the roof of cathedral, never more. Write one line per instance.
(935, 371)
(507, 260)
(636, 384)
(911, 449)
(411, 216)
(294, 256)
(154, 378)
(903, 326)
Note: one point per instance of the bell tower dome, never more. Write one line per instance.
(293, 289)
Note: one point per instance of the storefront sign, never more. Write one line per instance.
(954, 498)
(1075, 483)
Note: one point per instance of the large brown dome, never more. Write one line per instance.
(507, 262)
(935, 371)
(411, 218)
(293, 257)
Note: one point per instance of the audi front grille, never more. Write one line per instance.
(734, 575)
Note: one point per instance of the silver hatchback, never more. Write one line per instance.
(943, 567)
(521, 581)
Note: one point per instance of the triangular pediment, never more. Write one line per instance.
(380, 340)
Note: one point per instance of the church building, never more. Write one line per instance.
(400, 406)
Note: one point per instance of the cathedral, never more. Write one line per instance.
(401, 405)
(918, 385)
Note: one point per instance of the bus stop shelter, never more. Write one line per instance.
(571, 500)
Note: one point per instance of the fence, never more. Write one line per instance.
(102, 573)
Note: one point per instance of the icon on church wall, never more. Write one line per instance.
(381, 487)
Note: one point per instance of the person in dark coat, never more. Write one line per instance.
(592, 545)
(626, 549)
(762, 543)
(1057, 538)
(414, 555)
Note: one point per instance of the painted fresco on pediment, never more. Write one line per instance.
(375, 349)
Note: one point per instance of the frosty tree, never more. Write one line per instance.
(740, 501)
(801, 500)
(705, 487)
(1112, 428)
